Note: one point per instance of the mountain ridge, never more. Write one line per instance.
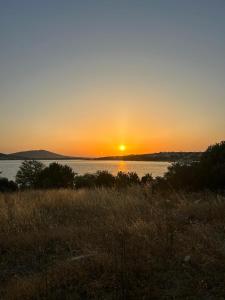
(37, 155)
(159, 156)
(47, 155)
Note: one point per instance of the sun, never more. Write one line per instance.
(122, 147)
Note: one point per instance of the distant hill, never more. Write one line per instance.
(7, 156)
(161, 156)
(37, 155)
(47, 155)
(2, 156)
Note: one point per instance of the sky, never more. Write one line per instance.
(81, 77)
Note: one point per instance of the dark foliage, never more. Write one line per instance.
(85, 181)
(56, 176)
(28, 173)
(208, 173)
(107, 180)
(147, 179)
(7, 185)
(123, 180)
(183, 176)
(212, 166)
(104, 179)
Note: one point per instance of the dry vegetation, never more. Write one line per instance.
(109, 244)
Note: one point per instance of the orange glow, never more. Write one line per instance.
(122, 166)
(122, 147)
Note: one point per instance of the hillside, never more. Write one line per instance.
(3, 156)
(7, 156)
(161, 156)
(35, 154)
(40, 154)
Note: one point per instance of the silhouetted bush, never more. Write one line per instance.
(123, 180)
(184, 176)
(107, 180)
(28, 173)
(147, 179)
(104, 179)
(7, 185)
(160, 184)
(212, 166)
(208, 173)
(133, 178)
(85, 181)
(56, 176)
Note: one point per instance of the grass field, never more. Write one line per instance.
(109, 244)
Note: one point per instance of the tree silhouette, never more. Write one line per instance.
(28, 173)
(56, 176)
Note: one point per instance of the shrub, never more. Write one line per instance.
(7, 185)
(104, 179)
(56, 176)
(184, 176)
(208, 173)
(147, 179)
(212, 166)
(124, 180)
(85, 181)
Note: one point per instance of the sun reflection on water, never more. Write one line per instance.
(122, 166)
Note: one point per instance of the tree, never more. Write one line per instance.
(208, 173)
(214, 155)
(184, 175)
(28, 173)
(56, 176)
(212, 166)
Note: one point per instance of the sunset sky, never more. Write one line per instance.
(85, 77)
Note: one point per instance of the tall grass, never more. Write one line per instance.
(110, 244)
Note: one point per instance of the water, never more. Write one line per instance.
(9, 168)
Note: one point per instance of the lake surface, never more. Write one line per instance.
(9, 168)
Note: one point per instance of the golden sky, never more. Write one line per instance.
(83, 78)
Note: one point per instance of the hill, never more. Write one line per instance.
(37, 154)
(7, 156)
(3, 156)
(161, 156)
(47, 155)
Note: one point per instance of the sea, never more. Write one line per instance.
(9, 168)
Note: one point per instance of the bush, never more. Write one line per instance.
(56, 176)
(208, 173)
(184, 176)
(124, 180)
(107, 180)
(104, 179)
(7, 185)
(85, 181)
(147, 179)
(212, 166)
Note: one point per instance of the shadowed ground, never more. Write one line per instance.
(110, 244)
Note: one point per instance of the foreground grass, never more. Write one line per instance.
(108, 244)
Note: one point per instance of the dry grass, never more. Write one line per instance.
(109, 244)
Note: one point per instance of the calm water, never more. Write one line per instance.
(9, 168)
